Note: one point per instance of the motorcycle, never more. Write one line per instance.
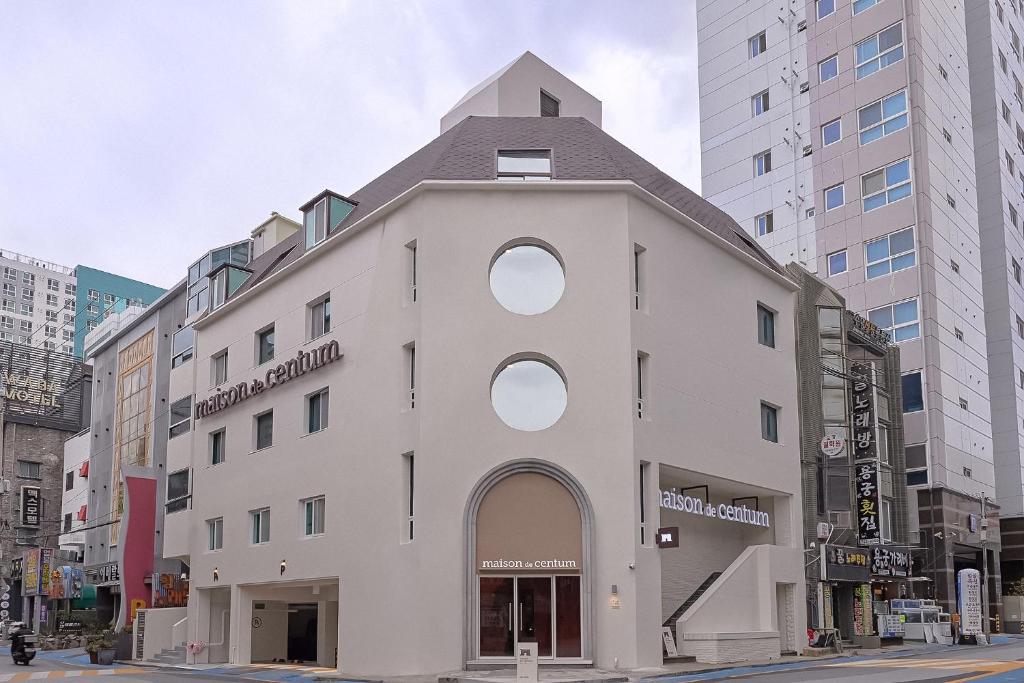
(23, 646)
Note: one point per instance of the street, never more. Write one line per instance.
(995, 664)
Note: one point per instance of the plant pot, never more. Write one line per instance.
(92, 658)
(105, 657)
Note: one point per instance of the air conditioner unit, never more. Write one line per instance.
(840, 519)
(823, 530)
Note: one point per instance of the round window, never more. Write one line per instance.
(528, 395)
(527, 279)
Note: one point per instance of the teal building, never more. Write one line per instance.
(100, 294)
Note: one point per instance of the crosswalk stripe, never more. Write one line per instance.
(71, 673)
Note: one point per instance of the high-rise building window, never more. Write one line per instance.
(831, 132)
(913, 395)
(837, 262)
(52, 285)
(861, 5)
(94, 295)
(890, 253)
(759, 103)
(758, 44)
(886, 185)
(883, 117)
(828, 69)
(900, 320)
(835, 197)
(769, 423)
(764, 224)
(825, 8)
(880, 50)
(762, 163)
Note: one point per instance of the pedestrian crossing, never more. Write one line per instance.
(75, 673)
(298, 668)
(975, 666)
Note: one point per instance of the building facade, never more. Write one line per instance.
(444, 391)
(75, 496)
(41, 303)
(839, 134)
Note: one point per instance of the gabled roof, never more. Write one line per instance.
(579, 149)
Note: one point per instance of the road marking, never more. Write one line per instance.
(76, 673)
(986, 667)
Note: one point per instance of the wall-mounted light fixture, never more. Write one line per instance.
(216, 574)
(284, 565)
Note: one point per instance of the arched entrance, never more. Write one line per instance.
(528, 540)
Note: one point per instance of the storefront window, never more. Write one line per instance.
(527, 279)
(529, 395)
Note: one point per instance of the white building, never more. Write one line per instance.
(456, 408)
(37, 302)
(839, 134)
(75, 499)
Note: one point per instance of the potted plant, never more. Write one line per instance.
(100, 648)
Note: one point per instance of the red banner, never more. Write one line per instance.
(138, 527)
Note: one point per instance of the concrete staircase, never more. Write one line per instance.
(172, 656)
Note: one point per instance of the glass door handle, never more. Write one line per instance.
(520, 616)
(510, 617)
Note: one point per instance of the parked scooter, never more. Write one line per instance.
(23, 644)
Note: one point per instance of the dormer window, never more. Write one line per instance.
(324, 213)
(524, 164)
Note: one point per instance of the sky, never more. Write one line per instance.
(135, 136)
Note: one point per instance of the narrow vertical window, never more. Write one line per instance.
(409, 499)
(639, 277)
(769, 423)
(265, 345)
(410, 375)
(259, 523)
(219, 367)
(217, 447)
(215, 529)
(645, 533)
(641, 385)
(317, 405)
(264, 428)
(320, 317)
(313, 514)
(765, 326)
(411, 247)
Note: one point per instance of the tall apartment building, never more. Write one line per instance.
(840, 135)
(53, 307)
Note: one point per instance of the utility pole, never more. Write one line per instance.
(984, 566)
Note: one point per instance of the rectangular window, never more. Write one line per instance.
(52, 285)
(1016, 270)
(764, 224)
(219, 367)
(69, 480)
(10, 290)
(29, 470)
(410, 374)
(881, 118)
(409, 499)
(532, 164)
(1006, 111)
(70, 288)
(899, 320)
(762, 163)
(548, 105)
(765, 326)
(265, 345)
(51, 300)
(313, 516)
(8, 305)
(831, 132)
(218, 443)
(769, 423)
(642, 408)
(180, 420)
(645, 486)
(1012, 210)
(758, 44)
(835, 197)
(837, 263)
(861, 5)
(1010, 166)
(411, 251)
(177, 491)
(886, 185)
(913, 395)
(94, 295)
(890, 254)
(880, 50)
(28, 278)
(825, 8)
(828, 69)
(759, 103)
(639, 276)
(264, 426)
(316, 411)
(181, 346)
(10, 274)
(1020, 327)
(67, 522)
(215, 533)
(315, 221)
(259, 524)
(320, 317)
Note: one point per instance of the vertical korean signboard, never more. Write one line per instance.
(968, 583)
(30, 505)
(867, 503)
(30, 572)
(865, 452)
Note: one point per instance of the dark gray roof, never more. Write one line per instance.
(580, 151)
